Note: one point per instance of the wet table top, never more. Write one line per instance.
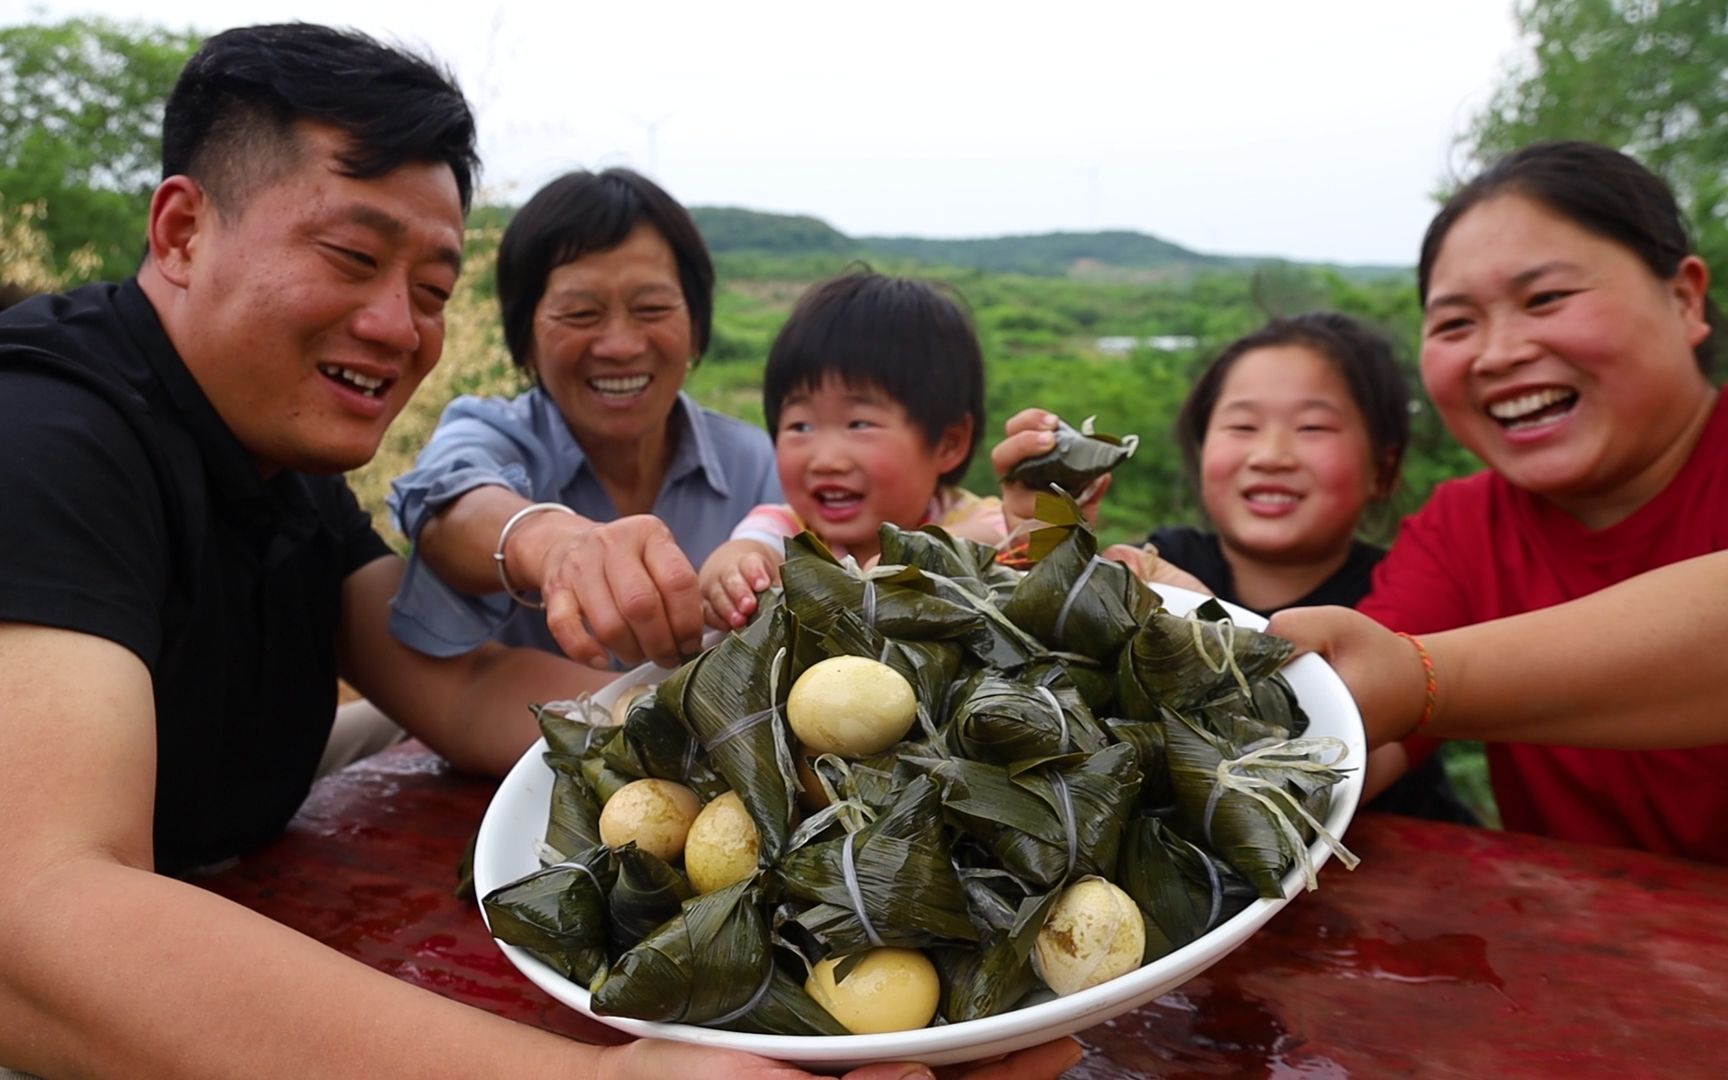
(1451, 952)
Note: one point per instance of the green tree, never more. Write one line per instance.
(81, 129)
(1644, 76)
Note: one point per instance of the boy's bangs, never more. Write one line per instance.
(905, 339)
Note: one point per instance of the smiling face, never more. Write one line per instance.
(1286, 465)
(850, 459)
(310, 312)
(1561, 361)
(612, 341)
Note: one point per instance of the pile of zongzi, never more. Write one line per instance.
(1025, 783)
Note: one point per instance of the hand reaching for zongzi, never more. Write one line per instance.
(730, 579)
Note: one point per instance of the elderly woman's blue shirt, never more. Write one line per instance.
(721, 468)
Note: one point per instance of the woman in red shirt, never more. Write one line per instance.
(1566, 342)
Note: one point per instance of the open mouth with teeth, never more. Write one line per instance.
(620, 387)
(370, 385)
(1271, 497)
(836, 503)
(1533, 409)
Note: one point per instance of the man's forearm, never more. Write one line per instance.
(489, 723)
(114, 971)
(473, 709)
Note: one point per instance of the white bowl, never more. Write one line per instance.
(517, 819)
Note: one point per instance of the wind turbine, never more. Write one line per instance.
(652, 129)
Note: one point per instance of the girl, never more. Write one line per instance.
(1566, 343)
(1290, 434)
(874, 396)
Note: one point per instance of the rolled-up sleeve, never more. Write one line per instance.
(479, 442)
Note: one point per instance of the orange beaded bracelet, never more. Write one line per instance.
(1433, 687)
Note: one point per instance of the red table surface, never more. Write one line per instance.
(1451, 952)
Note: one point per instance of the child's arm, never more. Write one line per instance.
(1028, 433)
(744, 565)
(732, 576)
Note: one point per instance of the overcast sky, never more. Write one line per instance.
(1309, 129)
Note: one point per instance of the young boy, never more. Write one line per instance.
(874, 396)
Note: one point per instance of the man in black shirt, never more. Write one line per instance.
(184, 574)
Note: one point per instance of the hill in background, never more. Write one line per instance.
(731, 230)
(1111, 255)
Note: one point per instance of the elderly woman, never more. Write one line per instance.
(598, 488)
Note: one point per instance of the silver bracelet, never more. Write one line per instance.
(504, 534)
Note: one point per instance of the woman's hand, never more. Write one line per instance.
(731, 578)
(1027, 434)
(1042, 1062)
(652, 1059)
(1383, 671)
(623, 587)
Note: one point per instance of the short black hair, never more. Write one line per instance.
(912, 339)
(584, 212)
(1596, 188)
(229, 122)
(1363, 357)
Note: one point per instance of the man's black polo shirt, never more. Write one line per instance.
(129, 511)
